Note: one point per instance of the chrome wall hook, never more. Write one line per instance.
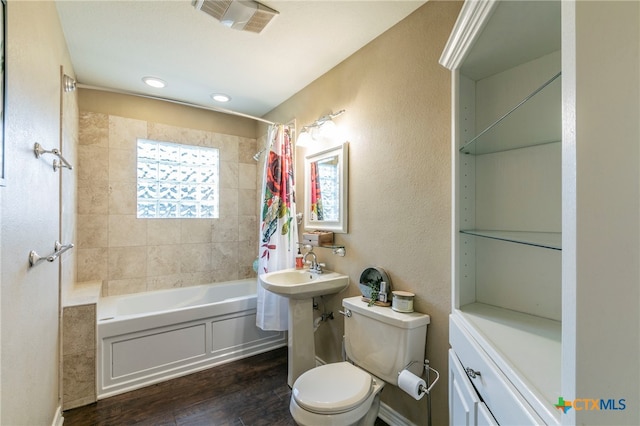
(58, 249)
(39, 150)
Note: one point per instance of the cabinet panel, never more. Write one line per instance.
(465, 406)
(463, 399)
(505, 402)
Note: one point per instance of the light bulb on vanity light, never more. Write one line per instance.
(328, 130)
(304, 139)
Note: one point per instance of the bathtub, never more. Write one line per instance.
(147, 338)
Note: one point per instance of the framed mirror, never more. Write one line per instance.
(325, 189)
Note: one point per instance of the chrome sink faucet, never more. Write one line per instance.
(314, 266)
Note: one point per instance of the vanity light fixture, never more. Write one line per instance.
(220, 97)
(323, 127)
(154, 82)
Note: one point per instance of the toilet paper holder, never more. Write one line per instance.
(428, 368)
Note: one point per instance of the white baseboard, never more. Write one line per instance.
(58, 420)
(392, 417)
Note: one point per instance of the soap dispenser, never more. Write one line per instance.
(299, 260)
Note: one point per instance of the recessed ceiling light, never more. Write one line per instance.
(220, 97)
(154, 82)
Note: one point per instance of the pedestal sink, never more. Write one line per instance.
(300, 286)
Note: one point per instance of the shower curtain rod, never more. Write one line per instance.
(158, 98)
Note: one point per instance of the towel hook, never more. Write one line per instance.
(59, 248)
(39, 150)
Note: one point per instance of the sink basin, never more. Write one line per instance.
(302, 284)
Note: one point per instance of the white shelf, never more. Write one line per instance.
(527, 349)
(550, 240)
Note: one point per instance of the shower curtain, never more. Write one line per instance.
(278, 227)
(317, 212)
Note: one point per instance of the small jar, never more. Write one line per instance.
(402, 301)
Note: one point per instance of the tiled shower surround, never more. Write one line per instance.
(131, 255)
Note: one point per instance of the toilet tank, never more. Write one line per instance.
(383, 341)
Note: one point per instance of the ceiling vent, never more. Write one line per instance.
(244, 15)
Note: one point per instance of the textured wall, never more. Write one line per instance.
(398, 124)
(132, 255)
(30, 213)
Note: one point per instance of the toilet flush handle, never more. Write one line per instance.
(346, 313)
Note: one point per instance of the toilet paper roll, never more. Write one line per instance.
(411, 384)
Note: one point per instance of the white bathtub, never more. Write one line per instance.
(150, 337)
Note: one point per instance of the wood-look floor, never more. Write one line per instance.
(249, 392)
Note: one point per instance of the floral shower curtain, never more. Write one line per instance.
(278, 227)
(317, 212)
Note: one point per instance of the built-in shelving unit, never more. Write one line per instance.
(545, 203)
(507, 237)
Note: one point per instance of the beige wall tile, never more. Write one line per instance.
(163, 260)
(247, 176)
(248, 229)
(195, 258)
(246, 202)
(228, 273)
(196, 278)
(225, 229)
(228, 147)
(246, 150)
(132, 255)
(93, 196)
(229, 174)
(125, 286)
(78, 379)
(164, 282)
(92, 231)
(163, 231)
(92, 264)
(127, 262)
(166, 133)
(122, 198)
(93, 163)
(94, 129)
(127, 230)
(247, 253)
(124, 133)
(122, 166)
(79, 329)
(224, 256)
(195, 230)
(228, 202)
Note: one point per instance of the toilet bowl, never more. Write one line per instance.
(339, 394)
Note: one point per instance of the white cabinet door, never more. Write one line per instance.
(485, 418)
(462, 397)
(465, 407)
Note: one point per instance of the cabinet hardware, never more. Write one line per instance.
(471, 372)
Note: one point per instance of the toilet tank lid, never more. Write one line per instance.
(386, 314)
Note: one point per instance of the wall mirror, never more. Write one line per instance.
(325, 189)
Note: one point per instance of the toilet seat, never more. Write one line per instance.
(332, 388)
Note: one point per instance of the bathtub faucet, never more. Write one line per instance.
(314, 266)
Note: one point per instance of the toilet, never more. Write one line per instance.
(379, 343)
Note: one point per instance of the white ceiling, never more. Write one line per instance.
(113, 44)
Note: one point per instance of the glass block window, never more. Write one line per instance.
(177, 181)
